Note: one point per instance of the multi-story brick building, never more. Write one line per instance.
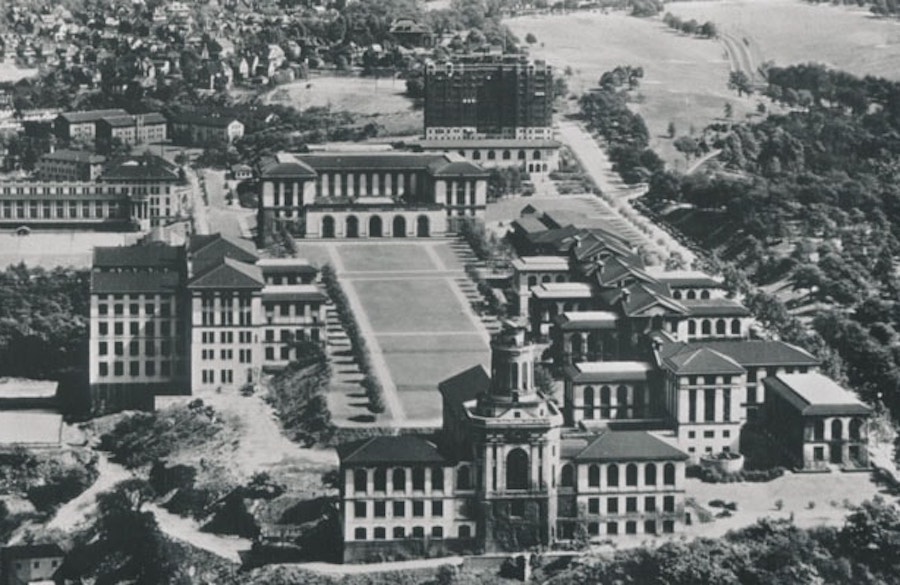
(196, 129)
(489, 96)
(82, 126)
(185, 319)
(131, 129)
(70, 165)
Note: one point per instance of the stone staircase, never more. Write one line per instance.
(468, 287)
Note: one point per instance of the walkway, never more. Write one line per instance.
(599, 168)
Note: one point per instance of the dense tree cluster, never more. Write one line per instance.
(691, 27)
(644, 8)
(812, 197)
(298, 396)
(774, 552)
(43, 321)
(606, 112)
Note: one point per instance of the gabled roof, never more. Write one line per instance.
(688, 279)
(76, 156)
(702, 361)
(208, 249)
(748, 352)
(31, 551)
(593, 241)
(146, 167)
(578, 320)
(402, 449)
(134, 282)
(640, 297)
(457, 168)
(229, 274)
(155, 256)
(133, 120)
(465, 386)
(615, 270)
(90, 115)
(816, 395)
(628, 446)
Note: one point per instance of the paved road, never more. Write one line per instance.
(598, 166)
(229, 220)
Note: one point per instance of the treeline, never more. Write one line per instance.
(606, 111)
(865, 551)
(706, 30)
(811, 198)
(361, 353)
(877, 7)
(43, 321)
(298, 396)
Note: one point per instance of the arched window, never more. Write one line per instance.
(735, 326)
(676, 295)
(650, 474)
(588, 402)
(705, 327)
(398, 480)
(692, 327)
(507, 155)
(669, 474)
(437, 479)
(532, 281)
(476, 155)
(704, 294)
(327, 227)
(612, 475)
(521, 155)
(631, 474)
(546, 278)
(360, 479)
(594, 475)
(517, 470)
(380, 479)
(568, 476)
(837, 430)
(819, 430)
(536, 155)
(418, 478)
(720, 327)
(856, 426)
(622, 402)
(492, 155)
(351, 229)
(691, 295)
(464, 478)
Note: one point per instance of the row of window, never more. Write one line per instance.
(380, 532)
(61, 210)
(134, 328)
(630, 402)
(721, 327)
(726, 434)
(245, 356)
(709, 404)
(226, 376)
(226, 337)
(612, 475)
(398, 509)
(134, 309)
(631, 505)
(504, 155)
(134, 348)
(398, 479)
(152, 368)
(612, 528)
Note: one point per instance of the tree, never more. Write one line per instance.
(686, 145)
(530, 38)
(709, 30)
(671, 130)
(729, 110)
(740, 82)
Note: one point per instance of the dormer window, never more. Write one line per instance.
(517, 414)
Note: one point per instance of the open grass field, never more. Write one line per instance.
(381, 101)
(386, 257)
(685, 78)
(412, 305)
(790, 31)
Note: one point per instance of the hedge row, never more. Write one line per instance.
(374, 391)
(494, 305)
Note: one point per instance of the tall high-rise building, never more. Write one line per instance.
(489, 96)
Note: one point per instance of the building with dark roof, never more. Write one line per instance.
(369, 194)
(197, 129)
(131, 129)
(83, 125)
(815, 422)
(202, 316)
(537, 158)
(70, 165)
(505, 451)
(489, 96)
(30, 563)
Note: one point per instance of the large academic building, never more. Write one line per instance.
(210, 315)
(382, 194)
(131, 193)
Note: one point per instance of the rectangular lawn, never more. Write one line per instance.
(414, 305)
(384, 257)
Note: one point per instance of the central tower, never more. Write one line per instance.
(515, 433)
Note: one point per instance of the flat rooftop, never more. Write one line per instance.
(610, 372)
(526, 263)
(26, 388)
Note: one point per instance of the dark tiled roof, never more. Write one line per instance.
(465, 386)
(78, 156)
(229, 274)
(157, 256)
(197, 119)
(370, 160)
(616, 372)
(816, 395)
(529, 224)
(91, 115)
(147, 167)
(207, 250)
(274, 170)
(134, 282)
(487, 143)
(641, 297)
(31, 551)
(749, 352)
(715, 308)
(698, 362)
(457, 168)
(628, 446)
(133, 120)
(402, 449)
(689, 281)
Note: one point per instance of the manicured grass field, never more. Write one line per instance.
(384, 257)
(413, 305)
(429, 343)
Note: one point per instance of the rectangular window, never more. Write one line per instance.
(669, 503)
(134, 368)
(380, 509)
(726, 404)
(103, 348)
(134, 348)
(150, 368)
(359, 533)
(709, 404)
(270, 353)
(134, 309)
(379, 533)
(709, 434)
(103, 309)
(359, 509)
(399, 532)
(692, 406)
(119, 328)
(118, 369)
(650, 504)
(612, 506)
(418, 507)
(631, 504)
(103, 328)
(104, 369)
(437, 508)
(119, 348)
(399, 509)
(594, 506)
(134, 328)
(437, 532)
